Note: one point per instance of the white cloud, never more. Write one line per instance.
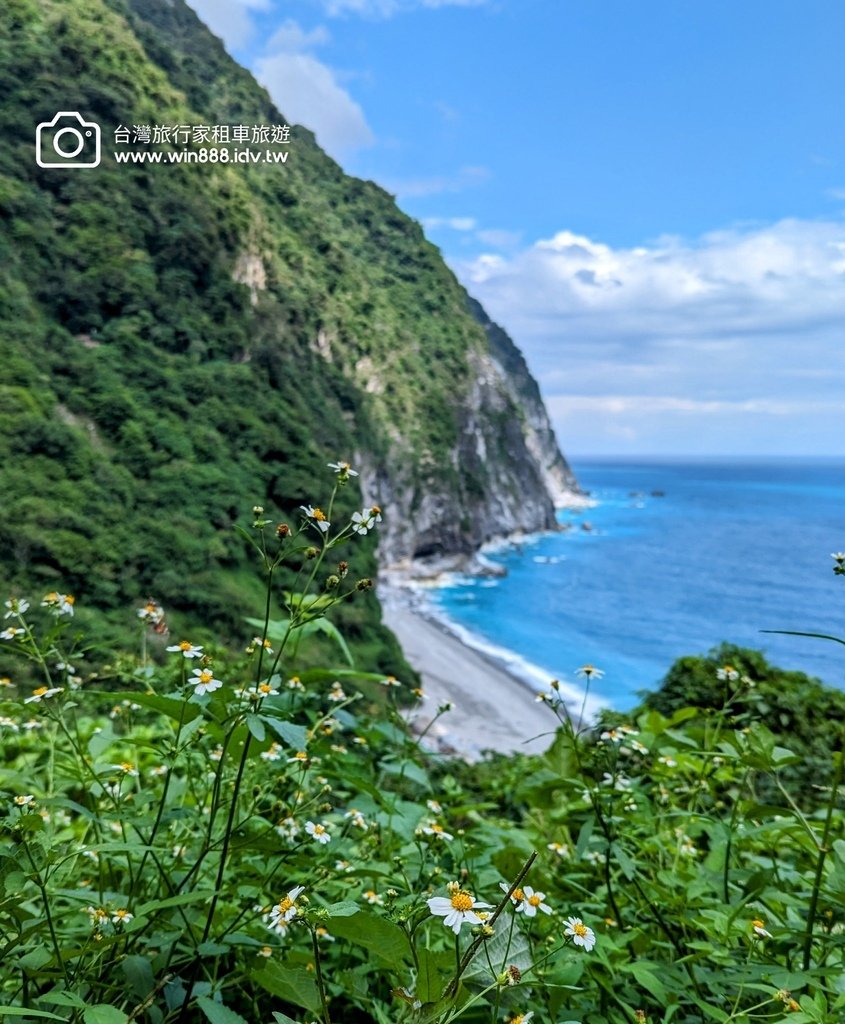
(230, 19)
(454, 223)
(290, 37)
(682, 342)
(308, 93)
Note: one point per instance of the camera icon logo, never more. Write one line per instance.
(67, 141)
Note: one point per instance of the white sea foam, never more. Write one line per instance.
(533, 677)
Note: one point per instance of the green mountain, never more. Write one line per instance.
(183, 341)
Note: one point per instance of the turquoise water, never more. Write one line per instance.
(728, 550)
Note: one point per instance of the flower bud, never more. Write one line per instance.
(311, 552)
(282, 530)
(364, 584)
(332, 582)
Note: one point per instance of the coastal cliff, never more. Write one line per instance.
(182, 341)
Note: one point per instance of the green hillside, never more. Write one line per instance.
(181, 341)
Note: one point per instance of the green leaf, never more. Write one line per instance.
(139, 974)
(256, 726)
(217, 1013)
(294, 735)
(174, 901)
(282, 1018)
(649, 980)
(23, 1011)
(293, 984)
(178, 710)
(436, 970)
(382, 938)
(346, 908)
(103, 1013)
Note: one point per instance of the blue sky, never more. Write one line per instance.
(648, 195)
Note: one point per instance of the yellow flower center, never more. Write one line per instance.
(265, 688)
(757, 923)
(534, 900)
(300, 755)
(462, 900)
(127, 766)
(70, 599)
(185, 646)
(375, 511)
(517, 894)
(580, 929)
(205, 676)
(318, 514)
(285, 904)
(120, 913)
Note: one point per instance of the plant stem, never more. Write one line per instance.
(839, 761)
(320, 983)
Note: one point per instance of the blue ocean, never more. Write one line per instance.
(672, 559)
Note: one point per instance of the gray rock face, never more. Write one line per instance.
(505, 476)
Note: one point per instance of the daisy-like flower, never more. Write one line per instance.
(435, 829)
(6, 683)
(434, 806)
(589, 672)
(151, 612)
(317, 517)
(16, 606)
(127, 767)
(8, 723)
(24, 801)
(457, 908)
(287, 909)
(343, 469)
(759, 928)
(838, 556)
(391, 682)
(342, 865)
(273, 753)
(614, 735)
(670, 762)
(59, 604)
(561, 849)
(265, 951)
(262, 690)
(581, 935)
(373, 898)
(258, 642)
(640, 748)
(300, 757)
(419, 693)
(727, 672)
(33, 723)
(521, 1018)
(121, 916)
(323, 935)
(336, 694)
(43, 693)
(529, 901)
(295, 683)
(366, 519)
(11, 633)
(204, 681)
(357, 818)
(318, 832)
(186, 649)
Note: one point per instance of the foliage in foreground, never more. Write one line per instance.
(232, 840)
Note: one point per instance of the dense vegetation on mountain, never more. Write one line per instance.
(180, 341)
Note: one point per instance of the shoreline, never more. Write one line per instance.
(494, 707)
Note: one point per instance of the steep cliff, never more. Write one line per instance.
(184, 340)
